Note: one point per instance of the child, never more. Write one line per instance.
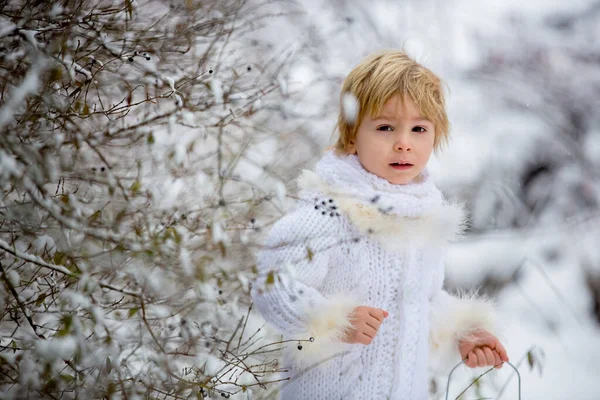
(353, 275)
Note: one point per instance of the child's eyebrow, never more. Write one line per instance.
(382, 117)
(422, 119)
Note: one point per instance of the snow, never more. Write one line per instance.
(186, 262)
(280, 191)
(218, 234)
(29, 86)
(283, 85)
(158, 311)
(11, 357)
(76, 299)
(56, 10)
(189, 119)
(13, 277)
(57, 348)
(78, 68)
(29, 375)
(216, 87)
(6, 27)
(171, 83)
(211, 363)
(237, 96)
(30, 35)
(350, 108)
(65, 155)
(178, 100)
(8, 167)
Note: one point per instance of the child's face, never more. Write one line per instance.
(399, 135)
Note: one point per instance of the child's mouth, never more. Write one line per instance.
(401, 166)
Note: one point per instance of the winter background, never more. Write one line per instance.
(149, 297)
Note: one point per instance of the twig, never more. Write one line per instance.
(57, 268)
(21, 306)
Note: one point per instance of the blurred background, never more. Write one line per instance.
(148, 146)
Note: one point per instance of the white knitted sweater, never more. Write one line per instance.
(355, 239)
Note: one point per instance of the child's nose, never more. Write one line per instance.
(403, 142)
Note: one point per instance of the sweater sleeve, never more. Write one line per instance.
(292, 266)
(452, 318)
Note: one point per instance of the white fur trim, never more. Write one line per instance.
(445, 223)
(452, 318)
(327, 325)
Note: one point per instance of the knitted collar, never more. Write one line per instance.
(381, 209)
(348, 176)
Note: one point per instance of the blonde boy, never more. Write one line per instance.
(365, 303)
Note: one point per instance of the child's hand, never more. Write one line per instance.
(482, 349)
(366, 322)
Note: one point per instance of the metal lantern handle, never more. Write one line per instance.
(505, 362)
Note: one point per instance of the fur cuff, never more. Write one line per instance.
(327, 324)
(452, 318)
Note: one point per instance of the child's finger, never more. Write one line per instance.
(481, 359)
(365, 339)
(489, 356)
(377, 313)
(373, 323)
(497, 360)
(472, 360)
(369, 330)
(502, 352)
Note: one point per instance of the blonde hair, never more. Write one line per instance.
(379, 77)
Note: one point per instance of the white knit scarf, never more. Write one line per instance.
(389, 212)
(346, 174)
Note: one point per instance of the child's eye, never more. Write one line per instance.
(385, 128)
(419, 129)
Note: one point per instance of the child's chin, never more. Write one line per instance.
(398, 182)
(401, 181)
